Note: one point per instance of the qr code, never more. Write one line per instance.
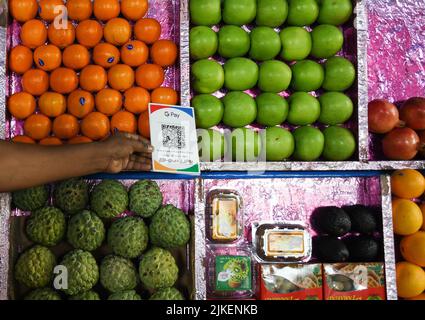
(173, 136)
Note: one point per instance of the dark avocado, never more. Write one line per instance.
(363, 219)
(330, 249)
(333, 221)
(362, 248)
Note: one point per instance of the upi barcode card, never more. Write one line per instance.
(174, 138)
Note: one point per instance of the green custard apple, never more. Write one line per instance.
(145, 198)
(128, 237)
(86, 231)
(117, 274)
(169, 228)
(82, 270)
(87, 295)
(46, 226)
(158, 269)
(109, 199)
(125, 295)
(72, 196)
(31, 199)
(34, 267)
(43, 294)
(167, 294)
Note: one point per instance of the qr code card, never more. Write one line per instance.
(174, 138)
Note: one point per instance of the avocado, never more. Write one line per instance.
(362, 248)
(363, 219)
(330, 249)
(333, 221)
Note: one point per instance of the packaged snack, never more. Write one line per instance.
(291, 282)
(354, 281)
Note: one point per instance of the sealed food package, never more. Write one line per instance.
(291, 282)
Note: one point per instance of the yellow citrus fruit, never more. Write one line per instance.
(419, 297)
(407, 217)
(410, 280)
(407, 183)
(413, 248)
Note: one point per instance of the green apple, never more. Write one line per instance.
(203, 42)
(209, 110)
(272, 109)
(246, 145)
(240, 109)
(271, 13)
(307, 75)
(327, 41)
(339, 74)
(335, 12)
(240, 74)
(302, 12)
(304, 109)
(296, 43)
(275, 76)
(239, 12)
(233, 42)
(265, 44)
(205, 13)
(337, 108)
(340, 144)
(207, 76)
(212, 145)
(278, 143)
(309, 143)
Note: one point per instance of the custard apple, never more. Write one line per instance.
(167, 294)
(72, 195)
(125, 295)
(31, 199)
(83, 272)
(43, 294)
(158, 269)
(145, 198)
(109, 199)
(46, 226)
(86, 231)
(169, 228)
(117, 274)
(128, 237)
(87, 295)
(34, 267)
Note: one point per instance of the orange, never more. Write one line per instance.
(33, 33)
(76, 57)
(134, 9)
(413, 248)
(79, 9)
(419, 297)
(93, 78)
(407, 217)
(23, 10)
(106, 55)
(37, 126)
(79, 140)
(120, 77)
(20, 59)
(136, 100)
(35, 82)
(164, 53)
(149, 76)
(106, 9)
(410, 280)
(23, 139)
(63, 80)
(95, 126)
(51, 141)
(124, 121)
(117, 31)
(147, 30)
(61, 37)
(80, 103)
(66, 126)
(49, 9)
(143, 124)
(89, 33)
(134, 53)
(164, 96)
(48, 57)
(407, 183)
(52, 104)
(108, 101)
(21, 105)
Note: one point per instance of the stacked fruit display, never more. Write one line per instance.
(85, 78)
(272, 79)
(132, 254)
(408, 217)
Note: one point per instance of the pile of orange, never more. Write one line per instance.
(83, 80)
(408, 187)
